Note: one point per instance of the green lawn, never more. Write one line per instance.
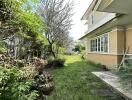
(75, 81)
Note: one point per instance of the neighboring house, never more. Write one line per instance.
(109, 32)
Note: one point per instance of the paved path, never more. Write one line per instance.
(113, 81)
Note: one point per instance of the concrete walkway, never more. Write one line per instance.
(113, 81)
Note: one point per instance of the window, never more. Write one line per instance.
(106, 43)
(91, 19)
(96, 44)
(102, 44)
(99, 44)
(93, 45)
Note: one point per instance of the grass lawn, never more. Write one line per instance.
(75, 82)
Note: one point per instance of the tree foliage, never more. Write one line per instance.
(78, 48)
(22, 32)
(57, 18)
(19, 19)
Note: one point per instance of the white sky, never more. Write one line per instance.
(78, 28)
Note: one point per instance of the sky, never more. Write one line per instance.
(79, 28)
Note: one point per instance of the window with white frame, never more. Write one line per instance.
(99, 44)
(93, 45)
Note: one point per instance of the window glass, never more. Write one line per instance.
(91, 43)
(102, 44)
(99, 44)
(96, 44)
(106, 43)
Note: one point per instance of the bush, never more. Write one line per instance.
(56, 63)
(19, 63)
(40, 64)
(20, 80)
(14, 86)
(24, 84)
(83, 55)
(2, 50)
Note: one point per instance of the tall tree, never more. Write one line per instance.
(20, 22)
(57, 18)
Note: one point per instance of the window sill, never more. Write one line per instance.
(106, 53)
(103, 53)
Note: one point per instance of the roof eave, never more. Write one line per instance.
(86, 14)
(83, 37)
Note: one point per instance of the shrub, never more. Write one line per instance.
(62, 50)
(56, 63)
(83, 56)
(24, 84)
(14, 86)
(19, 63)
(39, 63)
(21, 80)
(2, 50)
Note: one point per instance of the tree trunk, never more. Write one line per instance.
(57, 49)
(51, 51)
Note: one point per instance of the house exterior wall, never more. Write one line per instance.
(105, 59)
(96, 19)
(120, 35)
(113, 42)
(98, 16)
(104, 4)
(116, 49)
(117, 41)
(121, 41)
(129, 39)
